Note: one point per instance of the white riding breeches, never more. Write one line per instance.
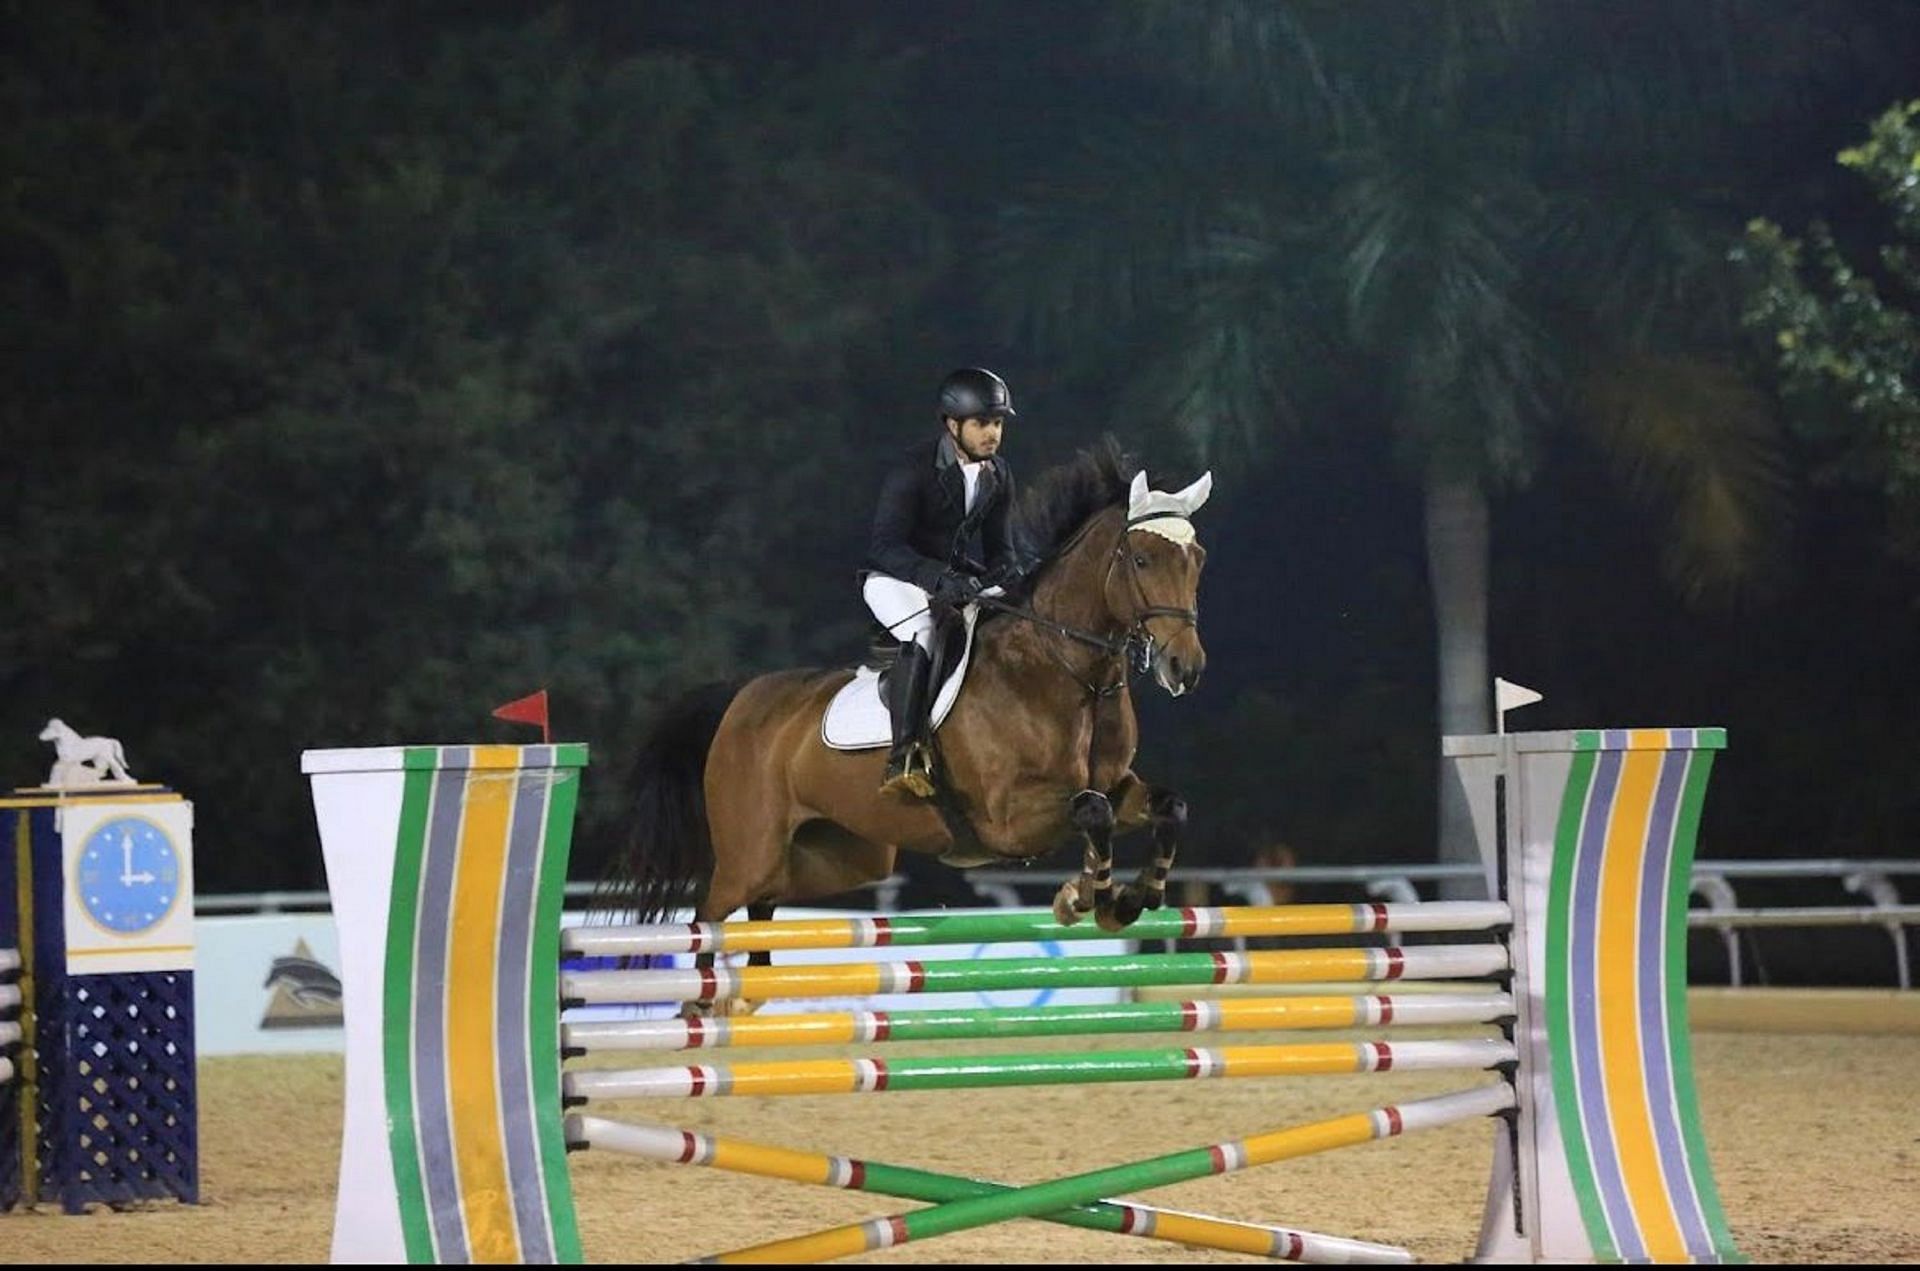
(901, 608)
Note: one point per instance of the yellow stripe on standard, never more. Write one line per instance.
(496, 759)
(473, 1076)
(1619, 988)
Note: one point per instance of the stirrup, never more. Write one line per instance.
(910, 779)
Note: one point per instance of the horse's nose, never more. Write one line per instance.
(1187, 673)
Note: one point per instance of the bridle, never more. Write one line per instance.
(1139, 640)
(1134, 644)
(1136, 641)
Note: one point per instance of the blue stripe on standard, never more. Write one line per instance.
(1584, 969)
(439, 1166)
(1655, 1027)
(518, 1099)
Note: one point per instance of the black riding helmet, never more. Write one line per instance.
(972, 393)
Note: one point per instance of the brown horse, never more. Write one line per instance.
(740, 803)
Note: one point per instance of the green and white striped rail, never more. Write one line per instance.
(1253, 1014)
(873, 1076)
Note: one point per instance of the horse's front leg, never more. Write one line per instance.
(707, 1008)
(1166, 812)
(1093, 890)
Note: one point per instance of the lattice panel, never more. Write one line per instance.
(10, 1178)
(122, 1123)
(10, 1112)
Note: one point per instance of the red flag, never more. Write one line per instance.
(531, 709)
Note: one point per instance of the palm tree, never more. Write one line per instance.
(1503, 219)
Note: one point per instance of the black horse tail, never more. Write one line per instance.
(668, 861)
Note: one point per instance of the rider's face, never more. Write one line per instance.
(977, 437)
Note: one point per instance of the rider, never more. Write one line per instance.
(940, 539)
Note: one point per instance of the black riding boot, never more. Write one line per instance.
(909, 766)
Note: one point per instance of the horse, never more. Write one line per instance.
(83, 760)
(738, 799)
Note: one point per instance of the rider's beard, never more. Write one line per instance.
(968, 452)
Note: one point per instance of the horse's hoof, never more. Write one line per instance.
(1066, 901)
(1122, 913)
(736, 1006)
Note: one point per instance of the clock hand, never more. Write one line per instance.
(127, 876)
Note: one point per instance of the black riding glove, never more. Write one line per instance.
(957, 588)
(1007, 577)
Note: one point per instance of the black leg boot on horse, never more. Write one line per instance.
(909, 700)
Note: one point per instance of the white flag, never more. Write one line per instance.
(1507, 695)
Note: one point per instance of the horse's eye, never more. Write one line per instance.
(1141, 562)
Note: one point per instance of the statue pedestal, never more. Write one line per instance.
(96, 922)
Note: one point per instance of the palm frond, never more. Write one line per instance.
(1696, 442)
(1118, 233)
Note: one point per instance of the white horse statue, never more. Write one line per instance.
(82, 761)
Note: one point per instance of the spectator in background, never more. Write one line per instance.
(1276, 853)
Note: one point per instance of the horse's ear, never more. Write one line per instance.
(1137, 494)
(1196, 494)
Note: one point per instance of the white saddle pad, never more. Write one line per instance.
(857, 717)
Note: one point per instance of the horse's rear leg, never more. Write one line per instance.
(1093, 890)
(1167, 813)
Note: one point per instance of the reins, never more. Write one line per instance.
(1135, 639)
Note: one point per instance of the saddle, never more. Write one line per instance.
(857, 718)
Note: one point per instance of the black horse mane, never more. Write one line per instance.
(1063, 498)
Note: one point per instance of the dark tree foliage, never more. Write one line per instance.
(370, 366)
(366, 376)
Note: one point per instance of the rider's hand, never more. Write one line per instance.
(957, 587)
(1001, 579)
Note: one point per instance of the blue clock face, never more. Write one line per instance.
(129, 875)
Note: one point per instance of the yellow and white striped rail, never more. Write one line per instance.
(1028, 925)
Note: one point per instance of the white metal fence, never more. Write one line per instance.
(1714, 887)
